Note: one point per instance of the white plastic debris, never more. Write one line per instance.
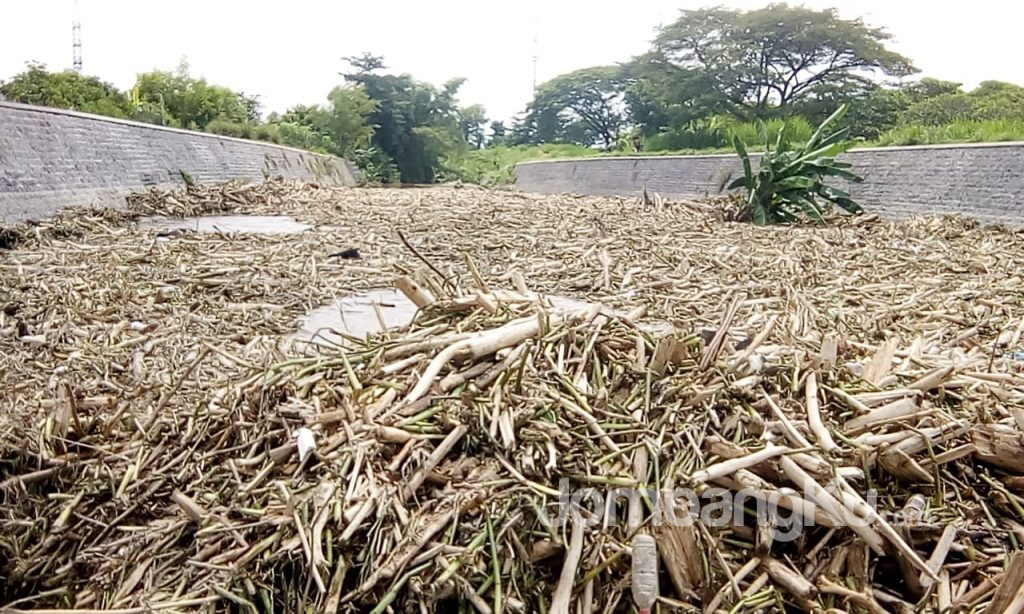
(756, 363)
(645, 572)
(305, 441)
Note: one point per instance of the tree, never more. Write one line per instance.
(940, 110)
(775, 57)
(341, 127)
(347, 118)
(498, 133)
(584, 106)
(472, 120)
(929, 88)
(998, 100)
(661, 95)
(65, 90)
(366, 63)
(414, 122)
(538, 125)
(870, 114)
(253, 106)
(304, 137)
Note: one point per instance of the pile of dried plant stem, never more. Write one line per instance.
(810, 378)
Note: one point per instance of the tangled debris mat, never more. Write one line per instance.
(150, 428)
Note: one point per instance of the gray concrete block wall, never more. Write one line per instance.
(985, 181)
(53, 158)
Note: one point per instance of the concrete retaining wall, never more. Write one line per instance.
(52, 158)
(985, 181)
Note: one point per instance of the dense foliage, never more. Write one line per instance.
(414, 123)
(764, 61)
(585, 107)
(66, 90)
(495, 165)
(715, 73)
(187, 102)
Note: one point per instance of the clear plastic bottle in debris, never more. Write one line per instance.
(645, 572)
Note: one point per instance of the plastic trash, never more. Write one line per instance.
(305, 441)
(645, 573)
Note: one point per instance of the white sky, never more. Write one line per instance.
(289, 51)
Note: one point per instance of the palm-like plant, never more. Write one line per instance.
(789, 182)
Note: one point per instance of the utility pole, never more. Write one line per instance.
(534, 55)
(76, 41)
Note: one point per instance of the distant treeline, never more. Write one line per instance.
(710, 75)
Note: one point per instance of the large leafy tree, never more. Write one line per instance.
(661, 95)
(414, 122)
(998, 100)
(65, 90)
(585, 106)
(347, 115)
(472, 120)
(498, 133)
(762, 61)
(540, 125)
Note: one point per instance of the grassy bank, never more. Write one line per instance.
(496, 165)
(963, 131)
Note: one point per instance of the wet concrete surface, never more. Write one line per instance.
(372, 311)
(247, 224)
(356, 315)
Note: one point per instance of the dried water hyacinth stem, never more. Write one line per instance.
(814, 422)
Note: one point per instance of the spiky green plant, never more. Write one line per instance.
(790, 181)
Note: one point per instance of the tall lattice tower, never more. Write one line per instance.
(76, 41)
(535, 55)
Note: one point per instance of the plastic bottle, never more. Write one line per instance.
(645, 572)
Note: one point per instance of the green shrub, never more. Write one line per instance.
(718, 132)
(496, 165)
(256, 132)
(961, 131)
(376, 165)
(301, 136)
(754, 134)
(266, 132)
(788, 182)
(224, 128)
(694, 137)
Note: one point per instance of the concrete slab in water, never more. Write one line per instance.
(250, 224)
(356, 316)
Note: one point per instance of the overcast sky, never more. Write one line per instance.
(289, 51)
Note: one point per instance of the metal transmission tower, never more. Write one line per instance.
(76, 41)
(535, 56)
(535, 63)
